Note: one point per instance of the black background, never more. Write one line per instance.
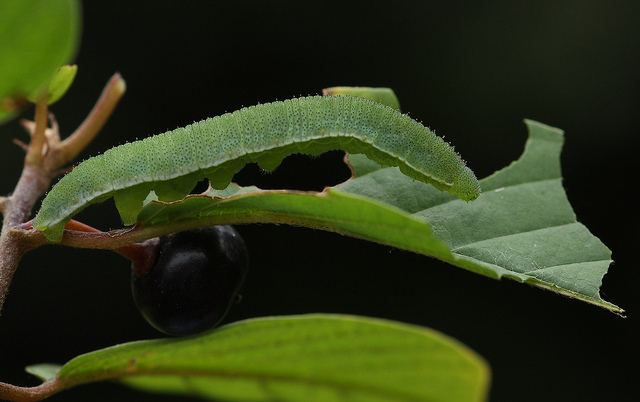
(470, 70)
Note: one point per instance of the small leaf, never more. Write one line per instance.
(298, 358)
(61, 82)
(383, 95)
(44, 371)
(38, 36)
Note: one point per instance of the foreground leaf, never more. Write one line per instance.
(298, 358)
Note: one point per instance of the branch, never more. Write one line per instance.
(4, 201)
(67, 150)
(33, 182)
(29, 394)
(135, 252)
(45, 155)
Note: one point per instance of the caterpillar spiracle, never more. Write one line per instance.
(216, 148)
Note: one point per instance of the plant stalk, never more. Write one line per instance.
(33, 182)
(44, 157)
(29, 394)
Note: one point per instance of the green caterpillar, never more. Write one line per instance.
(216, 148)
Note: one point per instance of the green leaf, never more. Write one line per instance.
(330, 210)
(383, 95)
(522, 227)
(61, 82)
(298, 358)
(38, 36)
(44, 371)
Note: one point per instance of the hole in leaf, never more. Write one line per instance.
(298, 172)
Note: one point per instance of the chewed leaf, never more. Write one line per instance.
(171, 163)
(522, 228)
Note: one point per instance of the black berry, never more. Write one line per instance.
(193, 281)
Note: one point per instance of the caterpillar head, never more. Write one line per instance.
(466, 185)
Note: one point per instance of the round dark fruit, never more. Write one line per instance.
(193, 280)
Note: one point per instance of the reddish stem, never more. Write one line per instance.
(140, 254)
